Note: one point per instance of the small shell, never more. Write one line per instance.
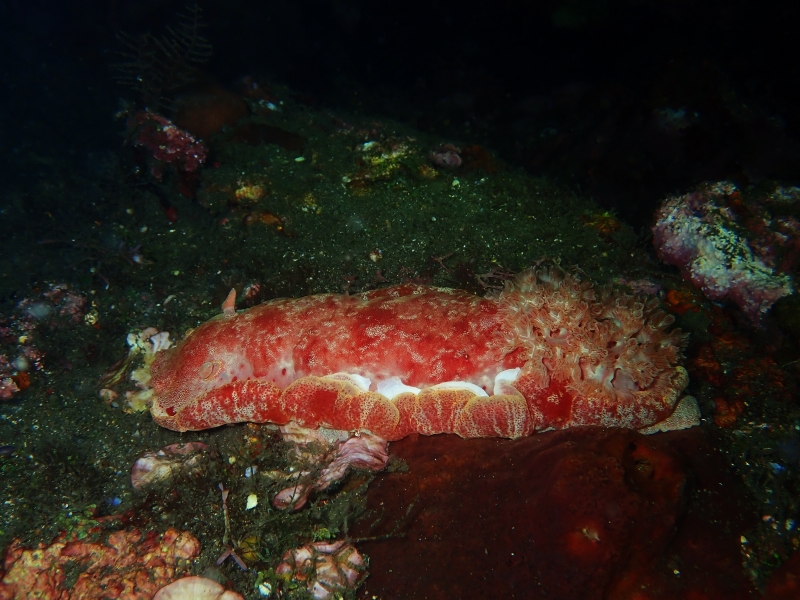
(252, 502)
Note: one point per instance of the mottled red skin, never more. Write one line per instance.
(422, 335)
(581, 354)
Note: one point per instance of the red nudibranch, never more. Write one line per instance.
(548, 352)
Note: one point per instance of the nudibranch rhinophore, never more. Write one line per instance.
(550, 351)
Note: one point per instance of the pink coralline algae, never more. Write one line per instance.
(166, 142)
(447, 155)
(327, 569)
(8, 387)
(161, 466)
(68, 305)
(125, 564)
(195, 588)
(732, 249)
(57, 307)
(8, 379)
(365, 451)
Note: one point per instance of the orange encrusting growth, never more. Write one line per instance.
(582, 356)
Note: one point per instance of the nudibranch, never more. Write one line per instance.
(549, 351)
